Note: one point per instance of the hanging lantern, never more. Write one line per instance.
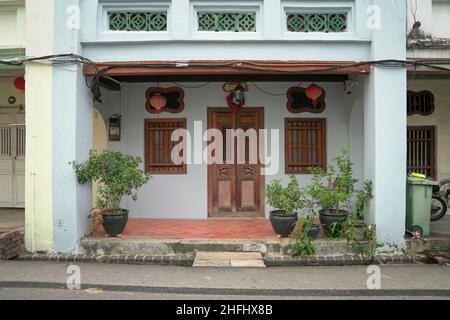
(314, 92)
(19, 83)
(158, 101)
(236, 98)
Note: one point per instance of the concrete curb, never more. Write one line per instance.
(343, 260)
(173, 260)
(188, 260)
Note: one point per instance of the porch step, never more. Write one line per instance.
(229, 259)
(146, 246)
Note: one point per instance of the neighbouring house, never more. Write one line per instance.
(186, 56)
(428, 95)
(12, 106)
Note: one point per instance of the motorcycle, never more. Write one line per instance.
(440, 200)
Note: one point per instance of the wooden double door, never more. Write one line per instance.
(236, 184)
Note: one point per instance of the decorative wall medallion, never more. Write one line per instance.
(154, 21)
(421, 103)
(224, 171)
(301, 101)
(317, 22)
(164, 100)
(247, 171)
(12, 100)
(226, 21)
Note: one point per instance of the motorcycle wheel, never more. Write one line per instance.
(438, 209)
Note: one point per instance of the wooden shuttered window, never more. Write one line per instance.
(422, 150)
(305, 145)
(158, 146)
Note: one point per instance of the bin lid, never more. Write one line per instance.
(424, 182)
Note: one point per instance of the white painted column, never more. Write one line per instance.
(38, 163)
(72, 135)
(385, 125)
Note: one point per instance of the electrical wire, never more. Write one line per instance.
(99, 71)
(191, 87)
(267, 92)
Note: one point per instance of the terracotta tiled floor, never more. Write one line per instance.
(198, 229)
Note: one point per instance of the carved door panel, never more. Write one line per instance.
(235, 186)
(223, 182)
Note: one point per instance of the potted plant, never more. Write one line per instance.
(355, 224)
(311, 229)
(286, 201)
(117, 175)
(332, 191)
(308, 225)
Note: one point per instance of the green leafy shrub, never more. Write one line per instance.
(333, 189)
(302, 246)
(286, 199)
(363, 197)
(117, 175)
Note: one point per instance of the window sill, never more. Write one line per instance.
(212, 40)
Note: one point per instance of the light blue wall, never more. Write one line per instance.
(72, 137)
(161, 199)
(385, 125)
(182, 42)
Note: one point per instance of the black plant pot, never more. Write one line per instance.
(114, 224)
(331, 216)
(283, 224)
(313, 232)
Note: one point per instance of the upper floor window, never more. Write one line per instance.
(226, 21)
(317, 22)
(137, 21)
(420, 103)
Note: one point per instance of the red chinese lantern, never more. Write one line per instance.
(314, 92)
(158, 101)
(19, 83)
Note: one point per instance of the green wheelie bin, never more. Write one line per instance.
(418, 205)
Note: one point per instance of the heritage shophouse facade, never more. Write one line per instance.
(197, 48)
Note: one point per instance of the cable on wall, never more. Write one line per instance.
(94, 83)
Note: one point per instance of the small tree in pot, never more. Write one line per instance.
(309, 227)
(332, 191)
(286, 201)
(117, 175)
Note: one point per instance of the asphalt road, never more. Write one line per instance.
(41, 280)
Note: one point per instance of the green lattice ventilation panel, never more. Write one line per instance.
(137, 21)
(317, 22)
(227, 21)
